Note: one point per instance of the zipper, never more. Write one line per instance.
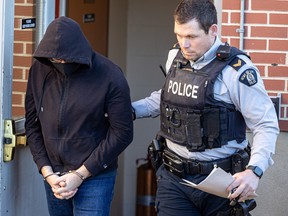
(39, 108)
(62, 106)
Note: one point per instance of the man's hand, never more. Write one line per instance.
(68, 185)
(56, 184)
(246, 183)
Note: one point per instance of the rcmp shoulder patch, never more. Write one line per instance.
(248, 77)
(237, 63)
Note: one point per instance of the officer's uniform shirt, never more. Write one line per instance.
(241, 85)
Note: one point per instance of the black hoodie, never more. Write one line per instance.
(83, 118)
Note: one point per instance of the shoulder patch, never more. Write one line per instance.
(237, 63)
(248, 77)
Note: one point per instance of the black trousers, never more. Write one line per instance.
(174, 199)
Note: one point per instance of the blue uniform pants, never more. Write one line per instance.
(174, 199)
(93, 198)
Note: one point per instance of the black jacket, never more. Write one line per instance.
(84, 118)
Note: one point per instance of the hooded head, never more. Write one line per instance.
(64, 40)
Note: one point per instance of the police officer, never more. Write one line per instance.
(211, 94)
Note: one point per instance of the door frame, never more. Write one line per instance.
(7, 180)
(21, 186)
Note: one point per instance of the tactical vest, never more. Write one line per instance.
(190, 116)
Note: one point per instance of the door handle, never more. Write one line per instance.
(14, 134)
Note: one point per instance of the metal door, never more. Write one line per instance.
(92, 16)
(21, 186)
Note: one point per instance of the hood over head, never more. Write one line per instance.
(64, 40)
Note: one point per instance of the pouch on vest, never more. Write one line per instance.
(211, 126)
(194, 133)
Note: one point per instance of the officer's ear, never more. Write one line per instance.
(213, 30)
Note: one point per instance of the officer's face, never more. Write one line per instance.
(194, 42)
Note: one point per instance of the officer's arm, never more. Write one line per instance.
(148, 107)
(251, 99)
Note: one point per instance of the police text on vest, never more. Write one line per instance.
(181, 89)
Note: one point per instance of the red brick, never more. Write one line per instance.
(235, 42)
(31, 1)
(23, 35)
(272, 94)
(22, 10)
(284, 99)
(282, 112)
(270, 32)
(279, 19)
(18, 111)
(18, 48)
(231, 30)
(26, 74)
(279, 45)
(232, 4)
(17, 99)
(250, 18)
(268, 58)
(19, 1)
(24, 61)
(17, 23)
(269, 5)
(261, 70)
(274, 85)
(283, 124)
(19, 86)
(255, 44)
(17, 73)
(30, 48)
(235, 17)
(278, 71)
(224, 17)
(226, 39)
(257, 18)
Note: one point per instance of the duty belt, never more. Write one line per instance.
(182, 167)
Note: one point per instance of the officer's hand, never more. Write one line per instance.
(246, 183)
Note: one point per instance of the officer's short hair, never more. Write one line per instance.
(203, 11)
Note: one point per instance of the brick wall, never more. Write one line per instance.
(23, 49)
(265, 40)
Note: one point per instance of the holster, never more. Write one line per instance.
(243, 208)
(240, 209)
(239, 161)
(155, 151)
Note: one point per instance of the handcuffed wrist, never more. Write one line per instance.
(45, 177)
(78, 174)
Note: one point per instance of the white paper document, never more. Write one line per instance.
(216, 183)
